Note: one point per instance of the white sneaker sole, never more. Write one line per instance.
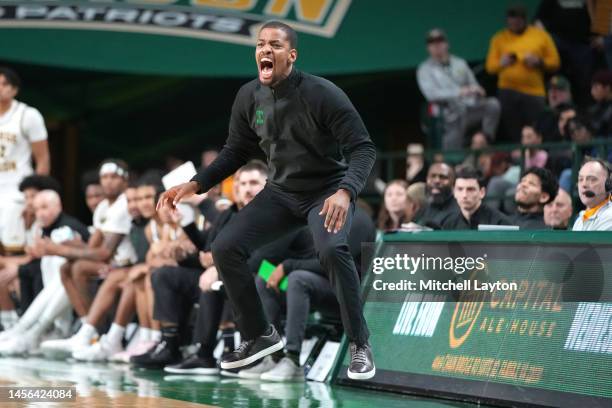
(249, 376)
(361, 376)
(268, 377)
(249, 360)
(200, 371)
(229, 374)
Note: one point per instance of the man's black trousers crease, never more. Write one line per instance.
(270, 215)
(176, 290)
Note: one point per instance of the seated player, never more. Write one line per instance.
(109, 245)
(52, 301)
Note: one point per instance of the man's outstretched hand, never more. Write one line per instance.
(335, 209)
(173, 196)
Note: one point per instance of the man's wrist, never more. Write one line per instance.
(347, 192)
(196, 184)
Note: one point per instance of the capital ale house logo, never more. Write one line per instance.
(232, 21)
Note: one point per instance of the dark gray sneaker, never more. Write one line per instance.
(250, 351)
(362, 363)
(194, 365)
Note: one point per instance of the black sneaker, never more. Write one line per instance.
(158, 357)
(362, 364)
(194, 365)
(250, 351)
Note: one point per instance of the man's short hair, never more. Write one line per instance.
(548, 181)
(604, 164)
(289, 31)
(151, 179)
(11, 77)
(471, 173)
(517, 10)
(578, 122)
(88, 178)
(255, 165)
(40, 183)
(451, 172)
(603, 77)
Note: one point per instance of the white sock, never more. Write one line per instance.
(156, 335)
(88, 331)
(8, 318)
(115, 334)
(144, 333)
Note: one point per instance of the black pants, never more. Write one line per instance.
(176, 291)
(518, 109)
(30, 283)
(270, 215)
(306, 291)
(210, 314)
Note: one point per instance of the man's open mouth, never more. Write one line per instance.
(266, 65)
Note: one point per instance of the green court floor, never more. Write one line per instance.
(106, 385)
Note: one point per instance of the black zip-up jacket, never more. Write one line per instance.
(483, 215)
(309, 130)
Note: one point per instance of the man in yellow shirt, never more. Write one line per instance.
(520, 55)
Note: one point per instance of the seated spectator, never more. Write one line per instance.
(599, 114)
(447, 80)
(559, 91)
(415, 200)
(594, 187)
(521, 55)
(308, 289)
(416, 168)
(94, 194)
(537, 188)
(557, 213)
(534, 157)
(480, 160)
(580, 133)
(392, 213)
(52, 301)
(108, 245)
(439, 192)
(503, 177)
(117, 281)
(469, 191)
(560, 159)
(559, 100)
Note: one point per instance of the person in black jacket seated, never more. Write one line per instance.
(177, 288)
(469, 192)
(308, 288)
(439, 192)
(537, 188)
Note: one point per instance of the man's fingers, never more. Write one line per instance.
(330, 221)
(325, 208)
(328, 216)
(178, 196)
(162, 201)
(340, 221)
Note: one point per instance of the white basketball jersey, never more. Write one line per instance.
(19, 127)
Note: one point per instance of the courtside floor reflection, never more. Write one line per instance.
(114, 385)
